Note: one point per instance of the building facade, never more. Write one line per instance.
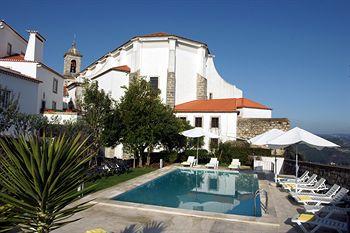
(182, 69)
(27, 58)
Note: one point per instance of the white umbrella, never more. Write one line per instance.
(197, 133)
(262, 139)
(296, 136)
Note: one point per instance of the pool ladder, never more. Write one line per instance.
(263, 206)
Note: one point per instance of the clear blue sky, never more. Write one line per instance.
(293, 56)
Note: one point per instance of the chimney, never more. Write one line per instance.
(35, 47)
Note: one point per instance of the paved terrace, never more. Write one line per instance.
(122, 217)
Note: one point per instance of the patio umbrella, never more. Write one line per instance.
(262, 139)
(197, 133)
(297, 136)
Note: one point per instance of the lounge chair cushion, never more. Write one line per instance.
(306, 217)
(304, 198)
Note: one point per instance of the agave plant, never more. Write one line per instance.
(41, 177)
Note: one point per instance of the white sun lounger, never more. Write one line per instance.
(235, 164)
(326, 209)
(320, 185)
(213, 163)
(314, 200)
(330, 193)
(191, 161)
(318, 223)
(311, 181)
(290, 178)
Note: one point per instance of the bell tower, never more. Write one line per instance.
(72, 62)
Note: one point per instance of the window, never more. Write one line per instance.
(73, 66)
(214, 144)
(154, 82)
(210, 95)
(54, 105)
(9, 49)
(43, 105)
(198, 122)
(183, 119)
(55, 85)
(214, 122)
(213, 183)
(5, 96)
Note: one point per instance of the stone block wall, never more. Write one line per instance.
(201, 87)
(251, 127)
(332, 174)
(170, 89)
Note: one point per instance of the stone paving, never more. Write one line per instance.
(118, 217)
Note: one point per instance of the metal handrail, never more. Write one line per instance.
(263, 206)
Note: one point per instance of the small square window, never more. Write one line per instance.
(55, 85)
(5, 96)
(198, 122)
(214, 144)
(215, 122)
(9, 49)
(183, 119)
(213, 184)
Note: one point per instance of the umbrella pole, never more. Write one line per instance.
(197, 149)
(296, 169)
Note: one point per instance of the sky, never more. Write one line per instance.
(293, 56)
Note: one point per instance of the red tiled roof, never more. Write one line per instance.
(14, 57)
(218, 105)
(18, 74)
(156, 34)
(122, 68)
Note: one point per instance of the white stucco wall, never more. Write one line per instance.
(265, 163)
(61, 117)
(218, 86)
(43, 74)
(227, 125)
(255, 113)
(26, 90)
(112, 83)
(9, 36)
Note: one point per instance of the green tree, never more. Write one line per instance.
(28, 124)
(96, 106)
(41, 177)
(8, 109)
(145, 122)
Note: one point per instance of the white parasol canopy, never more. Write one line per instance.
(197, 133)
(297, 136)
(262, 139)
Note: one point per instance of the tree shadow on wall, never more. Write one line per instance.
(151, 227)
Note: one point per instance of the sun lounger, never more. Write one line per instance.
(290, 178)
(318, 222)
(309, 182)
(191, 161)
(320, 185)
(326, 209)
(235, 164)
(330, 193)
(213, 163)
(315, 200)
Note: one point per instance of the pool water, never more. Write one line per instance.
(202, 190)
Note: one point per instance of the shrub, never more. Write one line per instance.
(203, 155)
(238, 150)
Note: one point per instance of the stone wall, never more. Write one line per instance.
(201, 87)
(170, 89)
(332, 174)
(251, 127)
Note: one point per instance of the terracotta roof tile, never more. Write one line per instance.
(122, 68)
(14, 57)
(218, 105)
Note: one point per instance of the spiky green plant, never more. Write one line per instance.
(41, 177)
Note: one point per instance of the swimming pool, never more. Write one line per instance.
(201, 190)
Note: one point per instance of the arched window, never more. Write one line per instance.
(73, 66)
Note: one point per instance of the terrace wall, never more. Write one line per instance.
(333, 174)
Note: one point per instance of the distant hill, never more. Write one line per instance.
(337, 156)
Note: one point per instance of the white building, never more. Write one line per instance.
(220, 116)
(182, 69)
(19, 86)
(26, 58)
